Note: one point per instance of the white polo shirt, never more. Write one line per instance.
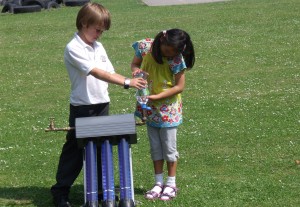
(80, 59)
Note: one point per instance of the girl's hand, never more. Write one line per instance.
(153, 97)
(138, 70)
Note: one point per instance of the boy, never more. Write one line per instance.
(89, 71)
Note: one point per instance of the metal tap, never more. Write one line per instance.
(53, 128)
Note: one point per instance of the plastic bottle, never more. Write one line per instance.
(142, 95)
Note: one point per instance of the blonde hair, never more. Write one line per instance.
(93, 14)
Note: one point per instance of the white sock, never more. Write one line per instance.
(171, 181)
(159, 179)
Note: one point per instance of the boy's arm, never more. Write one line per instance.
(116, 78)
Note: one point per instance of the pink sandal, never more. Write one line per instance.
(152, 194)
(168, 193)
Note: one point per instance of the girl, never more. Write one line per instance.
(165, 59)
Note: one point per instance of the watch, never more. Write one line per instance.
(126, 83)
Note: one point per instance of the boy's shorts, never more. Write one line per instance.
(163, 143)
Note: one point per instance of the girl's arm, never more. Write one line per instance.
(136, 64)
(178, 88)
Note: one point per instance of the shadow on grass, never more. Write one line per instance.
(41, 196)
(23, 196)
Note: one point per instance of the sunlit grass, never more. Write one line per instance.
(240, 135)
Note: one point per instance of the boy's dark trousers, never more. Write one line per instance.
(71, 158)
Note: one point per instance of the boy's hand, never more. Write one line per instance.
(138, 83)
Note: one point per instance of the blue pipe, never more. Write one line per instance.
(126, 191)
(91, 174)
(107, 174)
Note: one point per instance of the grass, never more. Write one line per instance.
(240, 135)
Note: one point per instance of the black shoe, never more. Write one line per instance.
(62, 202)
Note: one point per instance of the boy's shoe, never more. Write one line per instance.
(155, 192)
(62, 201)
(168, 193)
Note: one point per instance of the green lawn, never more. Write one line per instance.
(241, 128)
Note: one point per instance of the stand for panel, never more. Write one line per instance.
(107, 131)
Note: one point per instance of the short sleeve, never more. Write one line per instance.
(142, 47)
(177, 64)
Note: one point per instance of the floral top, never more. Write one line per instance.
(165, 112)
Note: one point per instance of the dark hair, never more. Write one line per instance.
(177, 39)
(91, 14)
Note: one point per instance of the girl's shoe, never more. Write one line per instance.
(168, 193)
(154, 193)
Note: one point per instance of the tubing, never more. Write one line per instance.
(125, 168)
(107, 175)
(91, 180)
